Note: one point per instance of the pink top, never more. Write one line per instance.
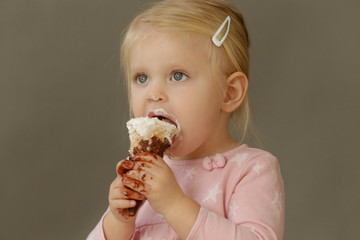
(241, 193)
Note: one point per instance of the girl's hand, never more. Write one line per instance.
(122, 198)
(153, 178)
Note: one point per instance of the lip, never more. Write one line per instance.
(162, 113)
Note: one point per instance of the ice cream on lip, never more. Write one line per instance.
(160, 112)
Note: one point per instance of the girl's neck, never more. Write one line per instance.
(220, 144)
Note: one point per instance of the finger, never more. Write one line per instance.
(129, 211)
(139, 175)
(122, 203)
(147, 157)
(117, 183)
(119, 191)
(148, 160)
(129, 194)
(123, 166)
(136, 185)
(140, 165)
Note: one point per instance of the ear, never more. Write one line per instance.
(236, 86)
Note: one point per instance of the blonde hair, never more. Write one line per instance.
(202, 17)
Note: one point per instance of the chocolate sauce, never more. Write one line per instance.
(155, 145)
(146, 147)
(125, 166)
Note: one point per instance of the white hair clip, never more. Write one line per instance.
(215, 39)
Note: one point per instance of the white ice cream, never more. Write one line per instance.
(145, 128)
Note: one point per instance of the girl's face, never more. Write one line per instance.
(171, 76)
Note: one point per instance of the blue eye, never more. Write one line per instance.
(142, 78)
(178, 77)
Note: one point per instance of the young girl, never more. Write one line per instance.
(188, 60)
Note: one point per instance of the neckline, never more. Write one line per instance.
(226, 154)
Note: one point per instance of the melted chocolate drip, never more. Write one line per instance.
(155, 145)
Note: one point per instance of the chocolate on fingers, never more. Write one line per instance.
(149, 138)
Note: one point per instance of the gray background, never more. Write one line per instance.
(63, 108)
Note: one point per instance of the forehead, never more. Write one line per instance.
(148, 30)
(157, 41)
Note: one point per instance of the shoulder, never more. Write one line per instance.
(244, 155)
(251, 163)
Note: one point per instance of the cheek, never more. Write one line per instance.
(203, 102)
(197, 110)
(136, 104)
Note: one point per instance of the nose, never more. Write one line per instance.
(157, 92)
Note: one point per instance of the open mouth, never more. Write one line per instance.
(163, 116)
(164, 119)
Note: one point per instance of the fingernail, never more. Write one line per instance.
(128, 164)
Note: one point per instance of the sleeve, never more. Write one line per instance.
(98, 232)
(255, 209)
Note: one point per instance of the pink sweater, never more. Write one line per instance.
(241, 194)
